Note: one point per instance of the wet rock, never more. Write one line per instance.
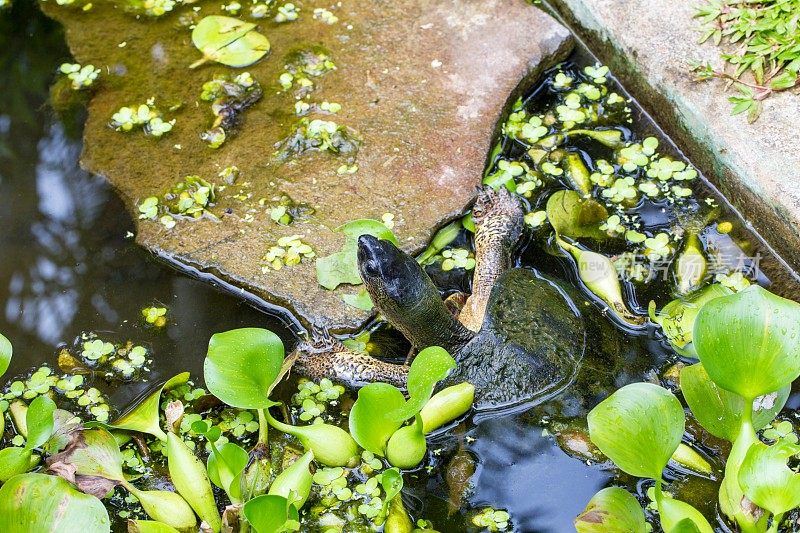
(421, 86)
(650, 44)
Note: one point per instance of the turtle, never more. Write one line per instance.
(518, 337)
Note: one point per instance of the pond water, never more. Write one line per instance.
(69, 266)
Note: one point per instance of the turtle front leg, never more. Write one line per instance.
(338, 363)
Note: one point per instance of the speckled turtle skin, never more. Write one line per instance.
(520, 340)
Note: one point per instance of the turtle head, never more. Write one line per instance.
(393, 278)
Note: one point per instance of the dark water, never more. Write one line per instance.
(66, 266)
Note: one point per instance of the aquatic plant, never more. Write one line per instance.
(80, 76)
(228, 41)
(748, 344)
(764, 34)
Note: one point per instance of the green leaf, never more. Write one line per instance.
(720, 411)
(440, 241)
(407, 446)
(749, 342)
(680, 517)
(149, 526)
(91, 453)
(14, 461)
(225, 465)
(294, 483)
(188, 474)
(269, 513)
(342, 267)
(38, 502)
(144, 416)
(677, 317)
(6, 351)
(229, 41)
(638, 427)
(612, 510)
(332, 446)
(39, 421)
(360, 300)
(573, 216)
(430, 366)
(241, 366)
(392, 483)
(766, 478)
(370, 424)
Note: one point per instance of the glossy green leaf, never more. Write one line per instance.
(149, 526)
(6, 350)
(226, 463)
(342, 267)
(188, 474)
(369, 424)
(612, 510)
(241, 366)
(407, 446)
(573, 216)
(680, 517)
(678, 316)
(332, 446)
(38, 502)
(720, 411)
(638, 427)
(429, 367)
(749, 342)
(294, 483)
(14, 461)
(39, 421)
(270, 514)
(392, 483)
(766, 478)
(229, 41)
(144, 416)
(447, 405)
(440, 241)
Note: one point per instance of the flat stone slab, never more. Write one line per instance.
(650, 44)
(422, 84)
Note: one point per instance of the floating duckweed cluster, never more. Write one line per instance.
(113, 361)
(152, 8)
(311, 401)
(146, 117)
(80, 77)
(285, 211)
(288, 12)
(492, 520)
(288, 251)
(325, 15)
(302, 68)
(155, 316)
(452, 258)
(229, 99)
(190, 198)
(319, 135)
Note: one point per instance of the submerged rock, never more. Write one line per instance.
(421, 86)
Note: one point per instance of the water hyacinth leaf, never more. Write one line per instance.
(678, 316)
(190, 478)
(440, 241)
(407, 446)
(241, 366)
(14, 461)
(39, 421)
(332, 446)
(342, 267)
(6, 350)
(92, 454)
(397, 519)
(165, 506)
(270, 514)
(720, 411)
(429, 367)
(612, 510)
(392, 483)
(573, 216)
(749, 342)
(225, 466)
(765, 477)
(680, 517)
(578, 174)
(144, 416)
(229, 41)
(369, 424)
(38, 502)
(638, 427)
(294, 483)
(447, 405)
(149, 526)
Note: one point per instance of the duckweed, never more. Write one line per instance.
(155, 316)
(492, 519)
(142, 116)
(288, 251)
(325, 16)
(81, 77)
(302, 68)
(288, 12)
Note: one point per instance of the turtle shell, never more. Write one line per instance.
(530, 344)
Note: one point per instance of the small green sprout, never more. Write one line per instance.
(82, 77)
(492, 519)
(288, 251)
(536, 219)
(156, 316)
